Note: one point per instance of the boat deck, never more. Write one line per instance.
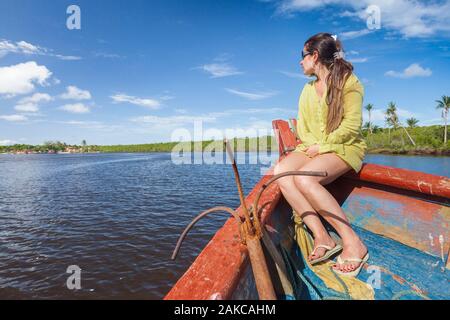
(403, 217)
(394, 270)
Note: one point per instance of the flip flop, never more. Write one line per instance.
(330, 251)
(355, 272)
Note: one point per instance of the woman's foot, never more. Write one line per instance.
(354, 250)
(320, 251)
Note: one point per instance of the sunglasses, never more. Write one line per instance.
(305, 54)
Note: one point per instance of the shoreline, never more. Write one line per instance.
(382, 151)
(424, 152)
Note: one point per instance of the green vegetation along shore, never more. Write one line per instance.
(413, 140)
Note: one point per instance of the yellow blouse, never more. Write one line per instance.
(347, 140)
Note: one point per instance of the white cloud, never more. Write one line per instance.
(7, 142)
(353, 57)
(166, 97)
(378, 115)
(220, 67)
(76, 108)
(6, 47)
(148, 103)
(37, 98)
(107, 55)
(31, 104)
(21, 78)
(172, 120)
(81, 123)
(220, 70)
(28, 48)
(23, 47)
(14, 118)
(353, 34)
(266, 110)
(66, 58)
(74, 93)
(235, 112)
(252, 96)
(414, 70)
(95, 125)
(286, 6)
(27, 107)
(408, 18)
(295, 75)
(357, 60)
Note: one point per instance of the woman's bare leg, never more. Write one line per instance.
(327, 206)
(299, 203)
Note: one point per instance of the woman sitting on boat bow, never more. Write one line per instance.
(329, 127)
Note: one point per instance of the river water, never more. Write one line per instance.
(117, 217)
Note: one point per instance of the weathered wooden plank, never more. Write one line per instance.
(412, 221)
(285, 138)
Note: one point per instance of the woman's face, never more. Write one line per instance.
(308, 62)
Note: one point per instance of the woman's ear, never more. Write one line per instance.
(315, 56)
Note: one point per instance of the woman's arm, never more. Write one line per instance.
(350, 127)
(306, 137)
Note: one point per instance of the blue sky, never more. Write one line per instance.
(138, 69)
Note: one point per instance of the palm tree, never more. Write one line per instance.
(367, 125)
(369, 108)
(412, 122)
(444, 104)
(393, 120)
(390, 116)
(367, 128)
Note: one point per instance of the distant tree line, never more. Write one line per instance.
(48, 146)
(266, 143)
(241, 144)
(398, 137)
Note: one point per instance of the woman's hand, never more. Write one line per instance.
(313, 150)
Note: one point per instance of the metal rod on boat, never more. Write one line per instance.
(261, 273)
(248, 222)
(200, 216)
